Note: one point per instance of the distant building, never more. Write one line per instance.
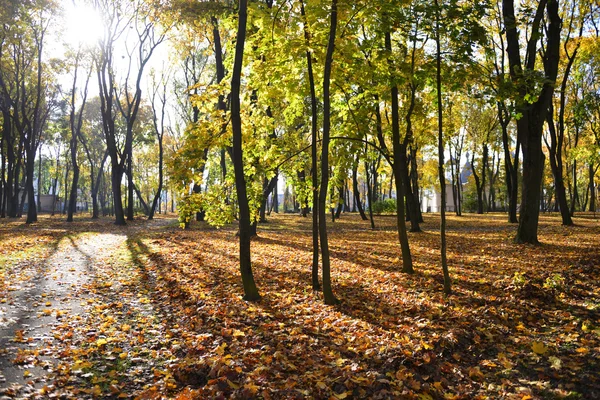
(431, 200)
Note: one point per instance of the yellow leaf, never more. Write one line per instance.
(101, 342)
(26, 374)
(123, 356)
(582, 350)
(237, 333)
(221, 349)
(96, 391)
(585, 326)
(539, 348)
(233, 385)
(321, 385)
(341, 395)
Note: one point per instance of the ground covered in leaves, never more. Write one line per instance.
(92, 310)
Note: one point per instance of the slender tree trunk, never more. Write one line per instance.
(556, 165)
(75, 181)
(313, 151)
(478, 185)
(250, 289)
(328, 295)
(356, 192)
(592, 187)
(447, 284)
(369, 195)
(30, 171)
(452, 175)
(400, 167)
(576, 199)
(509, 168)
(414, 176)
(39, 181)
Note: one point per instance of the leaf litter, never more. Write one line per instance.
(161, 314)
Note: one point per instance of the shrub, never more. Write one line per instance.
(384, 206)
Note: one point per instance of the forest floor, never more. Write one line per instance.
(92, 310)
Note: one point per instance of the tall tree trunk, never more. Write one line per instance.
(328, 295)
(447, 287)
(313, 153)
(250, 289)
(530, 125)
(400, 167)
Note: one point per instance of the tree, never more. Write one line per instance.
(532, 99)
(75, 123)
(158, 121)
(400, 165)
(328, 295)
(557, 132)
(250, 289)
(116, 21)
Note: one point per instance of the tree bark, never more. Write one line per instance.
(250, 289)
(328, 295)
(400, 168)
(532, 116)
(447, 284)
(356, 192)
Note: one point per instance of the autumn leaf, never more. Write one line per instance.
(539, 348)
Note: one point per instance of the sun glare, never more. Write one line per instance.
(83, 25)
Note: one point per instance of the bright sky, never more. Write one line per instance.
(83, 24)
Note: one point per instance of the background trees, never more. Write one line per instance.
(236, 133)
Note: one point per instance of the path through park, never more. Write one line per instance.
(54, 288)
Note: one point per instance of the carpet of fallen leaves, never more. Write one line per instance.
(163, 316)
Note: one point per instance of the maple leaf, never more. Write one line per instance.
(539, 348)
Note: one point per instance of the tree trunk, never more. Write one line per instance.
(75, 181)
(250, 289)
(447, 287)
(591, 173)
(556, 165)
(400, 166)
(530, 125)
(328, 295)
(478, 185)
(356, 192)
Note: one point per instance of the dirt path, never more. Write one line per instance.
(35, 312)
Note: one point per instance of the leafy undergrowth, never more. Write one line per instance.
(164, 315)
